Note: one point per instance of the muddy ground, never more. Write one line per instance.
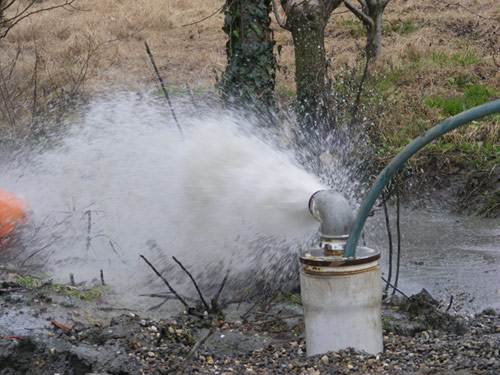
(47, 328)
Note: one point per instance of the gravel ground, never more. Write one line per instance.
(419, 338)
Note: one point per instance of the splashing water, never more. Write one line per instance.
(123, 182)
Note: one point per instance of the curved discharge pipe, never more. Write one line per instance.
(395, 165)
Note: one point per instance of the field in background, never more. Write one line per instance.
(438, 58)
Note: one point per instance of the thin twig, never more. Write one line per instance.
(164, 296)
(191, 94)
(155, 307)
(162, 84)
(6, 98)
(165, 281)
(218, 10)
(398, 232)
(449, 304)
(195, 347)
(470, 11)
(113, 248)
(194, 282)
(89, 229)
(396, 289)
(389, 237)
(245, 315)
(8, 24)
(39, 250)
(215, 300)
(14, 62)
(34, 108)
(357, 101)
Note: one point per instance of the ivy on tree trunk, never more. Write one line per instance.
(249, 77)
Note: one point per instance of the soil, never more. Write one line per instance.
(42, 333)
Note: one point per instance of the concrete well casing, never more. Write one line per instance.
(342, 305)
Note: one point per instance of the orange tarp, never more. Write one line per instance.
(12, 213)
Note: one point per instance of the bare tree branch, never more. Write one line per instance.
(215, 300)
(217, 11)
(8, 23)
(163, 87)
(7, 6)
(165, 282)
(358, 13)
(194, 283)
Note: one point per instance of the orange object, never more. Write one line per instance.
(12, 213)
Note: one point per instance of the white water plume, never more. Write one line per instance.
(124, 182)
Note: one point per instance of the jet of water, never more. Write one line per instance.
(123, 182)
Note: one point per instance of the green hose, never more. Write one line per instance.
(395, 165)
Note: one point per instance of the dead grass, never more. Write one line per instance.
(427, 45)
(190, 54)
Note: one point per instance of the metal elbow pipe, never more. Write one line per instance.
(334, 213)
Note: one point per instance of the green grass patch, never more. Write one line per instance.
(464, 59)
(35, 283)
(477, 155)
(355, 27)
(401, 27)
(461, 81)
(467, 58)
(29, 282)
(473, 95)
(466, 146)
(387, 82)
(289, 297)
(177, 90)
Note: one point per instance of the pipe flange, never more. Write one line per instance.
(318, 258)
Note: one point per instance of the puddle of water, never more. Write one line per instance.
(447, 255)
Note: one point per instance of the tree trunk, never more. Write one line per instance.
(306, 20)
(249, 77)
(310, 64)
(374, 37)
